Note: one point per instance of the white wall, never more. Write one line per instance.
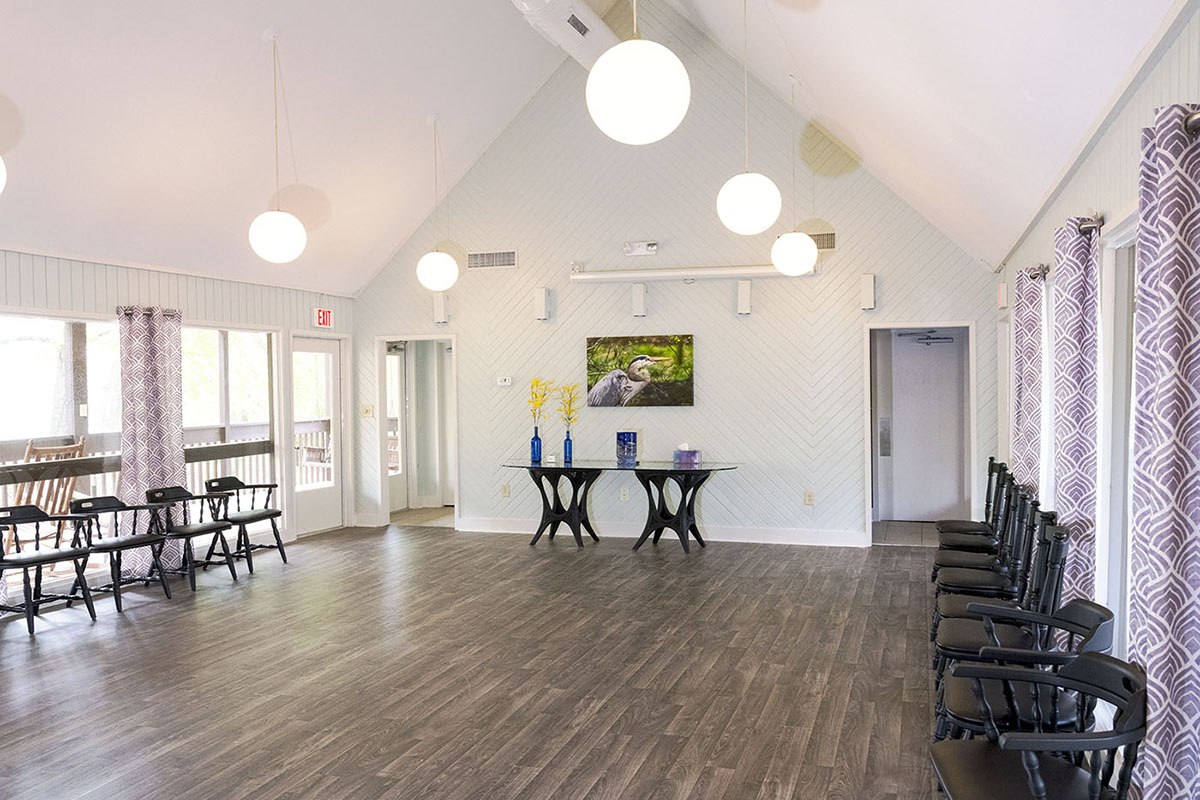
(781, 390)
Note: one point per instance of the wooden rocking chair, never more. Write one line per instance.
(52, 495)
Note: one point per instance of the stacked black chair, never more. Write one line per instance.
(1042, 590)
(1083, 626)
(242, 517)
(120, 538)
(1046, 761)
(28, 554)
(173, 519)
(980, 549)
(995, 471)
(1008, 577)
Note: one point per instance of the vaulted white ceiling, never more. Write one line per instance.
(140, 132)
(970, 111)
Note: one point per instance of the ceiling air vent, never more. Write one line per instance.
(499, 259)
(825, 241)
(578, 25)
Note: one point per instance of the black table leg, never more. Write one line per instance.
(554, 513)
(660, 516)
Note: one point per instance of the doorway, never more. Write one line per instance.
(920, 423)
(317, 433)
(420, 428)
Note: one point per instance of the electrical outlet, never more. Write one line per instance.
(810, 499)
(504, 490)
(367, 411)
(624, 493)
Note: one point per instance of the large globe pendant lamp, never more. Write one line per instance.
(748, 203)
(638, 91)
(277, 236)
(3, 174)
(794, 253)
(437, 271)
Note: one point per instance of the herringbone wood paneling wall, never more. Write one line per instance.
(781, 390)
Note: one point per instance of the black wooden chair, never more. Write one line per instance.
(1047, 762)
(1007, 578)
(173, 518)
(986, 541)
(242, 517)
(122, 535)
(28, 553)
(987, 526)
(1042, 590)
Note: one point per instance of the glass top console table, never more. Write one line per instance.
(652, 475)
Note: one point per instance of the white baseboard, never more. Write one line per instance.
(713, 533)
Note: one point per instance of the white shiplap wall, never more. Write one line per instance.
(1106, 177)
(781, 390)
(63, 286)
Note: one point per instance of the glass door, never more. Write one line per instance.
(317, 433)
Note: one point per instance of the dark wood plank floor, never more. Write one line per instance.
(426, 663)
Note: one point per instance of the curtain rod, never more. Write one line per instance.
(1191, 123)
(1092, 224)
(128, 311)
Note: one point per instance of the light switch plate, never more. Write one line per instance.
(504, 381)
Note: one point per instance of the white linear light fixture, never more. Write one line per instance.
(437, 271)
(3, 174)
(749, 202)
(277, 236)
(638, 91)
(795, 253)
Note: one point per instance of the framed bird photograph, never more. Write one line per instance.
(639, 371)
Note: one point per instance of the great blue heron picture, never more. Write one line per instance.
(639, 371)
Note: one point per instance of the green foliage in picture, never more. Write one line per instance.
(640, 371)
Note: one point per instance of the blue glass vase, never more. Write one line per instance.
(535, 447)
(568, 449)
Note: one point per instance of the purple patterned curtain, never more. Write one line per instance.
(1076, 291)
(1164, 620)
(1027, 376)
(151, 413)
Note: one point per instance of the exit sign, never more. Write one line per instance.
(323, 317)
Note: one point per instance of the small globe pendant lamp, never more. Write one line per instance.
(794, 253)
(277, 236)
(638, 91)
(750, 202)
(437, 271)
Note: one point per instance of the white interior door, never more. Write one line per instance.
(929, 427)
(317, 433)
(397, 425)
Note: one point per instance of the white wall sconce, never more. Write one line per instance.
(867, 291)
(541, 303)
(743, 298)
(639, 299)
(439, 308)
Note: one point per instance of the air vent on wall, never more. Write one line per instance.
(498, 259)
(578, 25)
(825, 241)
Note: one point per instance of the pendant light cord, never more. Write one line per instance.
(795, 147)
(635, 25)
(435, 182)
(275, 101)
(746, 82)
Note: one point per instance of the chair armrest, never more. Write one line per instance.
(211, 496)
(1071, 742)
(1031, 658)
(1001, 614)
(67, 518)
(260, 486)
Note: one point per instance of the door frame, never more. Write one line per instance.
(346, 450)
(381, 406)
(974, 471)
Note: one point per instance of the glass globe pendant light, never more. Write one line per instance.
(638, 91)
(277, 236)
(437, 271)
(3, 175)
(794, 253)
(748, 203)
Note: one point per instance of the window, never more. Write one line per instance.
(201, 378)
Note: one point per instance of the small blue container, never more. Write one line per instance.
(626, 449)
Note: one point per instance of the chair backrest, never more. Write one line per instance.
(120, 512)
(988, 498)
(1045, 580)
(14, 516)
(1095, 619)
(1012, 540)
(51, 494)
(998, 518)
(168, 494)
(94, 505)
(229, 483)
